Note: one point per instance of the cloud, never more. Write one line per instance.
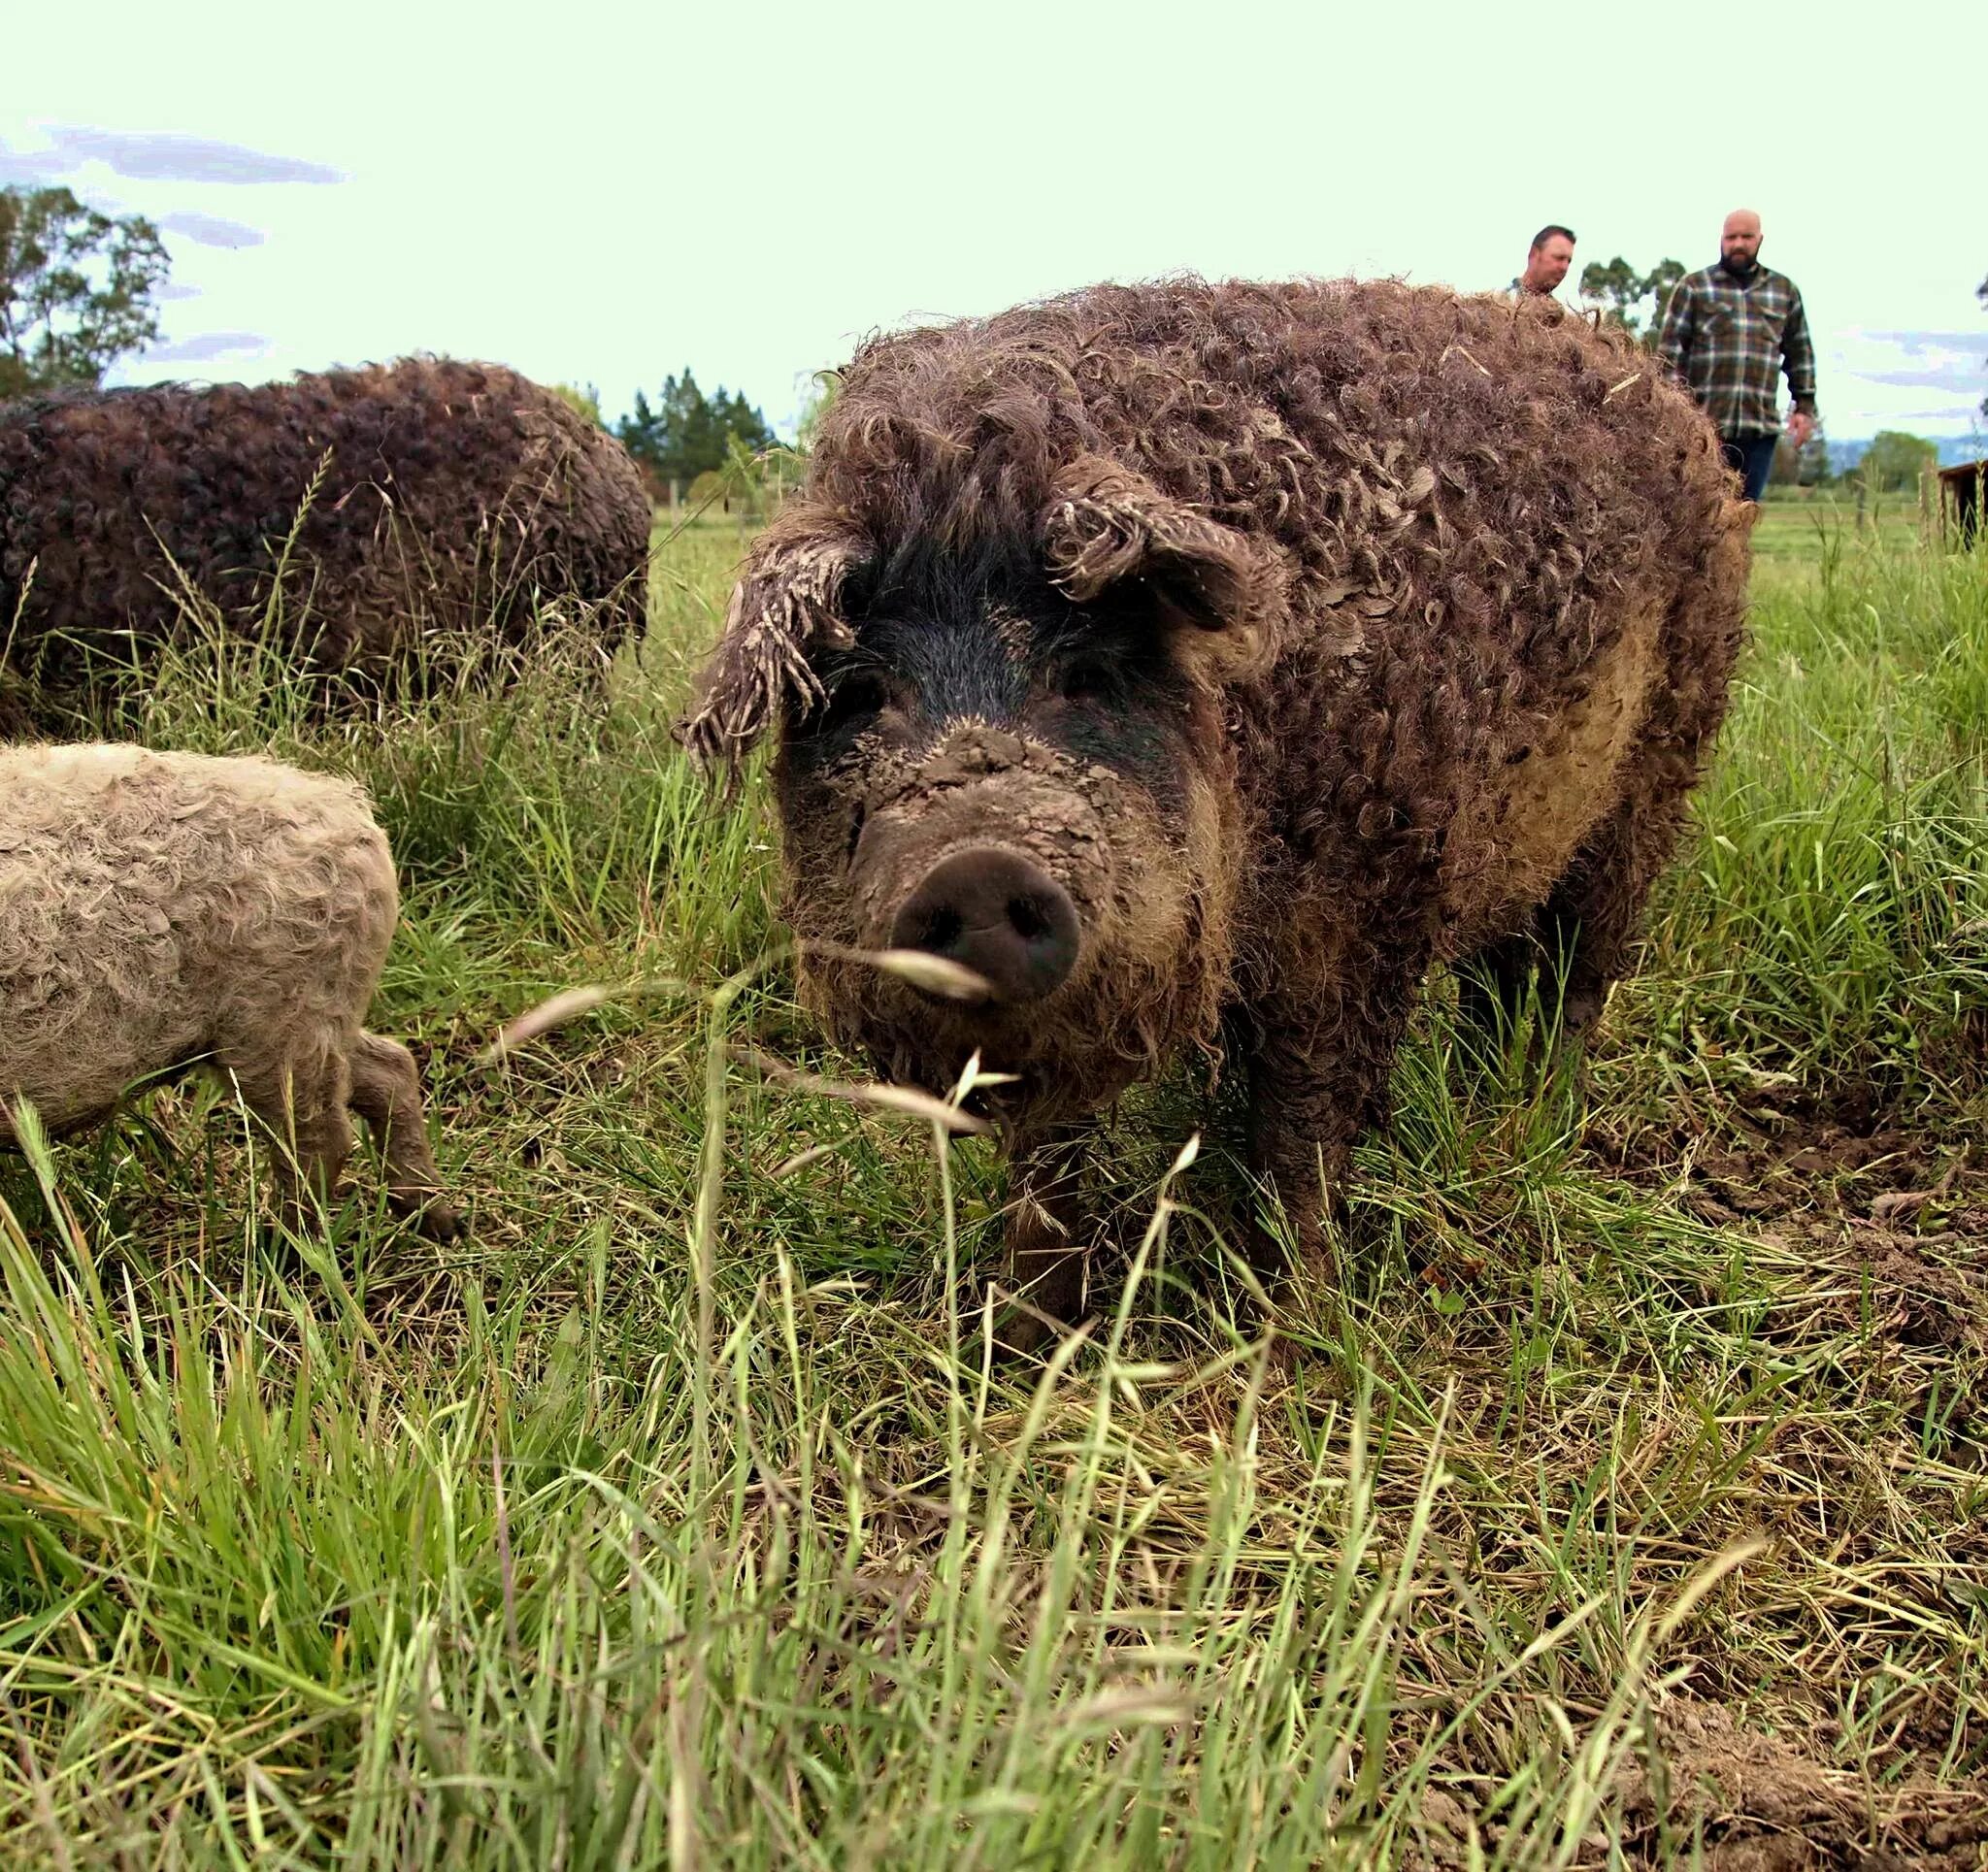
(166, 159)
(1923, 360)
(32, 167)
(1962, 378)
(1922, 343)
(173, 289)
(207, 344)
(211, 231)
(1965, 414)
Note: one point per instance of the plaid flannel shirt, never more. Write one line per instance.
(1726, 340)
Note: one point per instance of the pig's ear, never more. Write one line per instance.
(789, 596)
(1106, 524)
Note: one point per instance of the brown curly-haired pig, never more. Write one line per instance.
(454, 494)
(162, 910)
(1190, 657)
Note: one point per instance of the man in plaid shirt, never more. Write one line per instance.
(1725, 332)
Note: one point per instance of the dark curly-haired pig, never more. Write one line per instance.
(1195, 660)
(454, 495)
(159, 911)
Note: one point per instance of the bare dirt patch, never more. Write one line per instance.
(1918, 1301)
(1758, 1803)
(1788, 1153)
(1717, 1791)
(1901, 1209)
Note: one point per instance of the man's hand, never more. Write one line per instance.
(1800, 428)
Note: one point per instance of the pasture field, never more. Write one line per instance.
(1623, 1501)
(1794, 523)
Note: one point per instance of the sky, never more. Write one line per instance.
(604, 195)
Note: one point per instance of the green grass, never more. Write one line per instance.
(673, 1519)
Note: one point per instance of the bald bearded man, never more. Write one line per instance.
(1729, 331)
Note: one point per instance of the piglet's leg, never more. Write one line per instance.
(386, 1093)
(302, 1106)
(1047, 1243)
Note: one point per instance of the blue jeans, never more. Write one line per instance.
(1753, 456)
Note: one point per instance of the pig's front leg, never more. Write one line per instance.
(1047, 1241)
(1318, 1080)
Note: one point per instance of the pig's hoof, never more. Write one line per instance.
(436, 1219)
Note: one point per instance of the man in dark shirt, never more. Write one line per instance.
(1727, 332)
(1547, 260)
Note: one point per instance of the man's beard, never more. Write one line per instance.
(1740, 265)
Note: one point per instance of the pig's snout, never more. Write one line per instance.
(994, 913)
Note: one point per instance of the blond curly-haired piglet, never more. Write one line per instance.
(163, 910)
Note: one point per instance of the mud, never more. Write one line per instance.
(1896, 1216)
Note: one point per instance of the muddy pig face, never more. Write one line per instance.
(1015, 759)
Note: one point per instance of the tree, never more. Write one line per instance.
(687, 434)
(1895, 461)
(76, 289)
(1621, 292)
(747, 424)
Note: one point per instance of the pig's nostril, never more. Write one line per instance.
(941, 933)
(1028, 920)
(998, 914)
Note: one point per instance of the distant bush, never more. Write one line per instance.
(1628, 296)
(587, 402)
(751, 484)
(1893, 461)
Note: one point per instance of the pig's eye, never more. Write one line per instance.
(855, 697)
(1087, 678)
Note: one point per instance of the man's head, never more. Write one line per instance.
(1547, 259)
(1740, 240)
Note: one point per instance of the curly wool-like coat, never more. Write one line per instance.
(159, 910)
(452, 495)
(1298, 635)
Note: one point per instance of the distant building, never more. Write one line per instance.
(1960, 493)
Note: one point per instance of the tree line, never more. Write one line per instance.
(79, 290)
(685, 433)
(1891, 463)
